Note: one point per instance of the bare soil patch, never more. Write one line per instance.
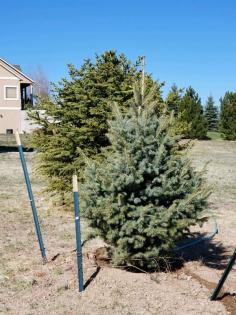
(28, 287)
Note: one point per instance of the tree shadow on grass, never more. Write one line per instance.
(8, 149)
(226, 294)
(212, 254)
(92, 277)
(228, 299)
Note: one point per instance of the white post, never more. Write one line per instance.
(17, 136)
(75, 183)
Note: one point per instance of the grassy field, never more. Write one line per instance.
(28, 287)
(214, 135)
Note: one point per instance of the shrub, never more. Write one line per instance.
(228, 116)
(75, 118)
(190, 121)
(144, 196)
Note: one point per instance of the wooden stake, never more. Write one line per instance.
(143, 79)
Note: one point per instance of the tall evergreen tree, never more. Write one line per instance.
(75, 119)
(173, 99)
(211, 114)
(145, 195)
(228, 116)
(190, 120)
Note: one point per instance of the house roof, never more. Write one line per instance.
(15, 71)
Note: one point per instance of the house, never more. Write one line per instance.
(16, 93)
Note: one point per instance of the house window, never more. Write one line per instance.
(11, 93)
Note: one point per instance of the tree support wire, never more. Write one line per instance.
(224, 276)
(31, 197)
(199, 239)
(78, 234)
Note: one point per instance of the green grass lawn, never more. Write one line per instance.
(214, 135)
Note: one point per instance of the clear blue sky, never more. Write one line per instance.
(189, 42)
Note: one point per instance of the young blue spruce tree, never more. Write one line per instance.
(144, 196)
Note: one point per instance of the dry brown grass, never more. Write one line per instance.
(28, 287)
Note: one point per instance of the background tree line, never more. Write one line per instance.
(109, 123)
(194, 120)
(73, 121)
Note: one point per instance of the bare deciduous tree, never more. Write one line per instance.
(41, 87)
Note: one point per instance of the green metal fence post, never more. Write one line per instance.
(78, 234)
(224, 276)
(31, 197)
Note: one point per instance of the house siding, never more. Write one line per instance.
(9, 109)
(5, 73)
(10, 119)
(11, 116)
(9, 103)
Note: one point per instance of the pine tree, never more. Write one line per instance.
(190, 119)
(173, 99)
(228, 116)
(75, 119)
(144, 196)
(211, 114)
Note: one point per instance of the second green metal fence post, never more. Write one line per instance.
(78, 234)
(31, 197)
